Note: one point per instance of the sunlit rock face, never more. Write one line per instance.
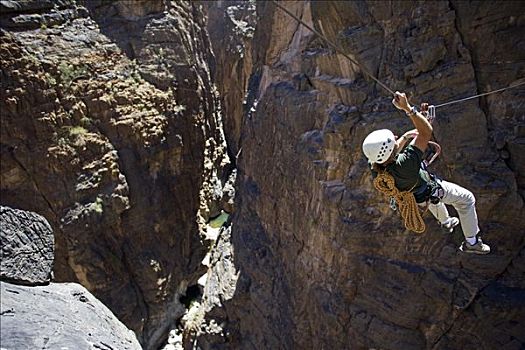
(114, 122)
(322, 261)
(111, 129)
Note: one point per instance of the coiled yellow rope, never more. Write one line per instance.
(384, 182)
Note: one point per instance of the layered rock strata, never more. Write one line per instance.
(323, 262)
(111, 129)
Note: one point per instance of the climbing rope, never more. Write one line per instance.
(437, 151)
(384, 182)
(478, 95)
(336, 48)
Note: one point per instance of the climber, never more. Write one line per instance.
(388, 155)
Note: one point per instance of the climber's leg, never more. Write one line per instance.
(439, 211)
(464, 202)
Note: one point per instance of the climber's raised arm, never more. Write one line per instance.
(421, 123)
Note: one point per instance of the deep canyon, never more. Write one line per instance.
(200, 166)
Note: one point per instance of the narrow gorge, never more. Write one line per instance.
(200, 167)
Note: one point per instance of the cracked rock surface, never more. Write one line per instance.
(38, 314)
(59, 316)
(323, 262)
(27, 247)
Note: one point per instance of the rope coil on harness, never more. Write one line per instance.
(405, 200)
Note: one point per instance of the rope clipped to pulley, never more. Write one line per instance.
(405, 200)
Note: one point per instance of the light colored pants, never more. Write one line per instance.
(465, 204)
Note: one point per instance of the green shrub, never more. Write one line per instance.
(219, 220)
(50, 80)
(86, 122)
(77, 131)
(69, 72)
(98, 205)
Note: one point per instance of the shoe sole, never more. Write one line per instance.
(469, 251)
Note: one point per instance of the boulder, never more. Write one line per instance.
(27, 247)
(59, 316)
(51, 316)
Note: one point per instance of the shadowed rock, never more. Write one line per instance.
(323, 262)
(111, 128)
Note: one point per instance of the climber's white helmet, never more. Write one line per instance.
(379, 145)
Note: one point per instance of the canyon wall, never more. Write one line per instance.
(111, 129)
(322, 260)
(114, 122)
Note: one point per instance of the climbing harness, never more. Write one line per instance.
(405, 201)
(434, 149)
(434, 152)
(432, 108)
(431, 114)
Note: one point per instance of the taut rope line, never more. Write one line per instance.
(479, 95)
(336, 48)
(333, 46)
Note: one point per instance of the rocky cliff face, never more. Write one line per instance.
(323, 262)
(111, 129)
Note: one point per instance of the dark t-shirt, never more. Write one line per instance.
(408, 174)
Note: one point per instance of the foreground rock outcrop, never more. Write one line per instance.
(44, 315)
(58, 316)
(27, 247)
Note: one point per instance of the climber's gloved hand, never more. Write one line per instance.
(401, 102)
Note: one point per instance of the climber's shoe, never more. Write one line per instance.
(478, 248)
(450, 223)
